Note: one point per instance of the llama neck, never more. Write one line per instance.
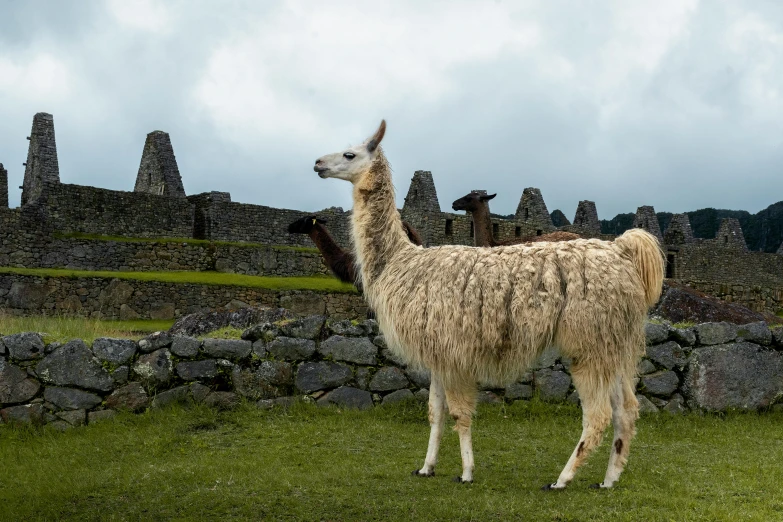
(482, 226)
(325, 244)
(377, 227)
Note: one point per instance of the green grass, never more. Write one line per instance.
(63, 329)
(326, 464)
(316, 283)
(227, 332)
(189, 241)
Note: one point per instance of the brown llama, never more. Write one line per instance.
(478, 205)
(485, 314)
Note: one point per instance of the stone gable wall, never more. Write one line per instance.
(709, 367)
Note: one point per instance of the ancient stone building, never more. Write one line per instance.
(41, 166)
(730, 234)
(422, 195)
(679, 230)
(559, 219)
(158, 172)
(533, 212)
(587, 217)
(3, 187)
(647, 220)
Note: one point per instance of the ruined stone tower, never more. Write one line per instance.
(532, 210)
(3, 187)
(730, 234)
(647, 220)
(42, 166)
(422, 196)
(586, 217)
(679, 230)
(559, 219)
(158, 172)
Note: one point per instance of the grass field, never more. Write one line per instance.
(326, 464)
(62, 329)
(316, 282)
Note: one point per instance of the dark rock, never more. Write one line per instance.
(370, 327)
(178, 395)
(573, 398)
(645, 406)
(73, 364)
(758, 333)
(114, 351)
(668, 355)
(345, 328)
(655, 333)
(74, 417)
(348, 397)
(419, 377)
(24, 414)
(305, 328)
(49, 348)
(380, 342)
(645, 367)
(130, 397)
(155, 341)
(185, 346)
(676, 405)
(291, 349)
(552, 385)
(121, 375)
(387, 379)
(15, 385)
(680, 304)
(70, 399)
(154, 369)
(194, 370)
(314, 376)
(548, 358)
(28, 296)
(261, 332)
(684, 336)
(733, 376)
(662, 383)
(488, 397)
(24, 346)
(777, 336)
(354, 350)
(397, 396)
(519, 391)
(715, 333)
(393, 358)
(422, 395)
(227, 348)
(258, 349)
(101, 415)
(201, 323)
(2, 347)
(199, 392)
(271, 379)
(363, 377)
(222, 400)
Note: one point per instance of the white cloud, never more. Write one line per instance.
(44, 77)
(143, 15)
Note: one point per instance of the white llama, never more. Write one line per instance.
(484, 314)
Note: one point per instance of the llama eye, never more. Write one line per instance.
(349, 155)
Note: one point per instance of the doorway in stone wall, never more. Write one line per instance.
(671, 264)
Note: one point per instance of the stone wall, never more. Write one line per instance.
(3, 187)
(158, 171)
(131, 299)
(710, 367)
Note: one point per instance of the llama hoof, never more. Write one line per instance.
(459, 480)
(417, 473)
(551, 487)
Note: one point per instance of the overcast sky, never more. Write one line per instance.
(676, 104)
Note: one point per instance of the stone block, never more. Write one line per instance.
(397, 396)
(73, 364)
(195, 370)
(758, 333)
(387, 379)
(291, 349)
(114, 351)
(552, 385)
(662, 383)
(131, 397)
(305, 328)
(24, 346)
(15, 385)
(185, 346)
(655, 333)
(350, 349)
(71, 399)
(271, 379)
(348, 397)
(232, 349)
(322, 375)
(715, 333)
(154, 369)
(668, 355)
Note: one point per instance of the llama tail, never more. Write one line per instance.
(645, 251)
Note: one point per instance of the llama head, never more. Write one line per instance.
(472, 201)
(304, 225)
(350, 164)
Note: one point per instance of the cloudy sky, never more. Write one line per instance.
(676, 104)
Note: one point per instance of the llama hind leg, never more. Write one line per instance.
(462, 405)
(596, 414)
(437, 415)
(625, 411)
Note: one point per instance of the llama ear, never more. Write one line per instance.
(488, 197)
(373, 142)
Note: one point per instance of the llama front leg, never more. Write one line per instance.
(625, 411)
(462, 406)
(437, 415)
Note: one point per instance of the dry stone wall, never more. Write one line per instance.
(130, 299)
(710, 367)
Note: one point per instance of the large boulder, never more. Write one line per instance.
(322, 375)
(15, 385)
(715, 333)
(271, 379)
(291, 348)
(552, 385)
(347, 397)
(388, 378)
(200, 323)
(132, 397)
(232, 349)
(740, 375)
(154, 369)
(357, 350)
(305, 328)
(71, 399)
(73, 364)
(114, 351)
(758, 333)
(194, 370)
(28, 296)
(24, 346)
(667, 355)
(662, 383)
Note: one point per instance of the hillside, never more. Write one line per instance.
(763, 231)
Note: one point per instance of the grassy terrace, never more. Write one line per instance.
(316, 283)
(63, 329)
(189, 241)
(310, 463)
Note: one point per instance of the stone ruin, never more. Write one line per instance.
(679, 230)
(532, 210)
(730, 234)
(647, 220)
(41, 166)
(587, 217)
(158, 172)
(3, 187)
